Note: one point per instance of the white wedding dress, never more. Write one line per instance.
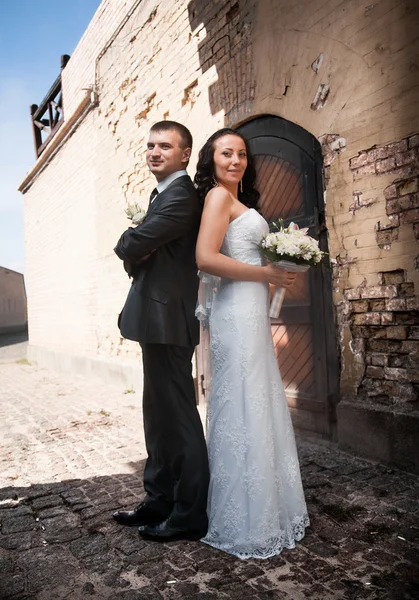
(256, 501)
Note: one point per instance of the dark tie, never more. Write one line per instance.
(152, 196)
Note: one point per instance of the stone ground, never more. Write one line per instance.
(72, 452)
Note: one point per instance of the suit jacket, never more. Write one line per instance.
(160, 307)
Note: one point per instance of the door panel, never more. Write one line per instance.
(280, 178)
(281, 185)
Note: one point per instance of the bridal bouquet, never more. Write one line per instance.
(293, 250)
(135, 213)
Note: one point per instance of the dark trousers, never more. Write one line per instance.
(176, 474)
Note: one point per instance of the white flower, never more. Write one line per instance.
(135, 213)
(292, 242)
(138, 217)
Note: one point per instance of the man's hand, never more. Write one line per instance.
(132, 269)
(146, 257)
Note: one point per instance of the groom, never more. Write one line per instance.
(159, 314)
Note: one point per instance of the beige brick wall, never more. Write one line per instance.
(208, 64)
(60, 224)
(81, 70)
(368, 54)
(367, 64)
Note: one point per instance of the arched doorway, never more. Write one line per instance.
(289, 167)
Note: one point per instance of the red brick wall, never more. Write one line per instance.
(384, 324)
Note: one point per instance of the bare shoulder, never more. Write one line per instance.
(218, 199)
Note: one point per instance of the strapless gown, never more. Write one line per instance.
(256, 501)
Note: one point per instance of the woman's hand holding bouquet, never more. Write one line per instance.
(291, 249)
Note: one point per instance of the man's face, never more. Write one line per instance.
(165, 154)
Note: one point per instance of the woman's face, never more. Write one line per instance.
(230, 159)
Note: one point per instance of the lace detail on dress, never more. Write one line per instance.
(270, 546)
(256, 500)
(208, 286)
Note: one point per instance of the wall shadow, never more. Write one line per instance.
(227, 46)
(58, 540)
(10, 339)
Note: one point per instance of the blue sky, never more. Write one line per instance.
(33, 36)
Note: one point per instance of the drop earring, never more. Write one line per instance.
(214, 181)
(241, 185)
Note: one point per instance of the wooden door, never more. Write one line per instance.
(289, 178)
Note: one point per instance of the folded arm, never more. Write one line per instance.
(169, 220)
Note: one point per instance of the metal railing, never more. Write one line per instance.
(48, 117)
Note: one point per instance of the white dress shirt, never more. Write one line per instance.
(162, 185)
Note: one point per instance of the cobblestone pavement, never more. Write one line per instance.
(72, 452)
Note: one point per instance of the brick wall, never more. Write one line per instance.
(400, 160)
(348, 74)
(61, 255)
(383, 319)
(344, 72)
(81, 71)
(384, 325)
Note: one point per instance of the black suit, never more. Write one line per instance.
(159, 313)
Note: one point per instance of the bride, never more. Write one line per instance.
(256, 502)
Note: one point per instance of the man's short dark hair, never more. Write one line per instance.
(183, 131)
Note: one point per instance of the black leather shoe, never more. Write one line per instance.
(142, 515)
(164, 532)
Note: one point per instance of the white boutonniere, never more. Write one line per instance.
(135, 213)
